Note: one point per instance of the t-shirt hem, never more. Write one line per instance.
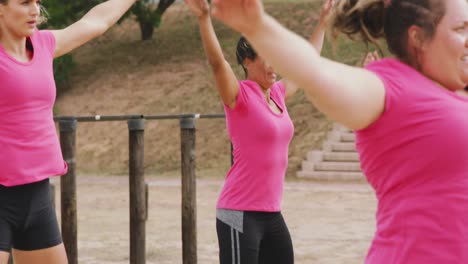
(249, 208)
(29, 180)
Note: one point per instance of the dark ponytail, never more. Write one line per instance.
(370, 20)
(243, 51)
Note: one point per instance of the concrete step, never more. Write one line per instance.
(340, 156)
(331, 166)
(331, 176)
(337, 166)
(315, 156)
(339, 147)
(348, 137)
(319, 156)
(341, 128)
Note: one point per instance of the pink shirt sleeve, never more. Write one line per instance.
(393, 90)
(282, 89)
(48, 40)
(241, 100)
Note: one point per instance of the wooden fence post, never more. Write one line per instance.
(68, 189)
(138, 191)
(189, 197)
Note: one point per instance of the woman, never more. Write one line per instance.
(410, 120)
(30, 151)
(249, 223)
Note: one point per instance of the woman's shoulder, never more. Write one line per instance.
(247, 83)
(279, 89)
(44, 37)
(395, 69)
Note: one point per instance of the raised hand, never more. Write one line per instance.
(241, 15)
(326, 10)
(370, 57)
(199, 7)
(318, 35)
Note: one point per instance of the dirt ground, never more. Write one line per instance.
(330, 223)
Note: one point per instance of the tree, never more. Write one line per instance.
(149, 15)
(63, 13)
(66, 12)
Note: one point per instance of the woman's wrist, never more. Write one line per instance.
(203, 16)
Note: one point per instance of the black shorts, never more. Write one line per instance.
(27, 217)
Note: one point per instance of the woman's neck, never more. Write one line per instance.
(15, 46)
(265, 90)
(266, 93)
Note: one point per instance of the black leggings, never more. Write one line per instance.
(265, 240)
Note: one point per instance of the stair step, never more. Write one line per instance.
(340, 147)
(337, 161)
(337, 166)
(339, 127)
(319, 156)
(348, 137)
(331, 176)
(340, 156)
(331, 166)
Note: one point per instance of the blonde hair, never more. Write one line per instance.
(44, 15)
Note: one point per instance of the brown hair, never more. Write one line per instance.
(370, 20)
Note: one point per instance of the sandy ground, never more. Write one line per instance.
(330, 223)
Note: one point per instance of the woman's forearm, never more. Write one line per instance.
(211, 44)
(108, 13)
(318, 36)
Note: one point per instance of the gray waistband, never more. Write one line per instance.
(232, 218)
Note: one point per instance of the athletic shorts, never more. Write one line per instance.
(247, 237)
(27, 217)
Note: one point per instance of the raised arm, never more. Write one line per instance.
(318, 36)
(350, 95)
(226, 81)
(97, 21)
(316, 39)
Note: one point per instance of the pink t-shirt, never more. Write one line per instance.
(29, 147)
(415, 156)
(260, 138)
